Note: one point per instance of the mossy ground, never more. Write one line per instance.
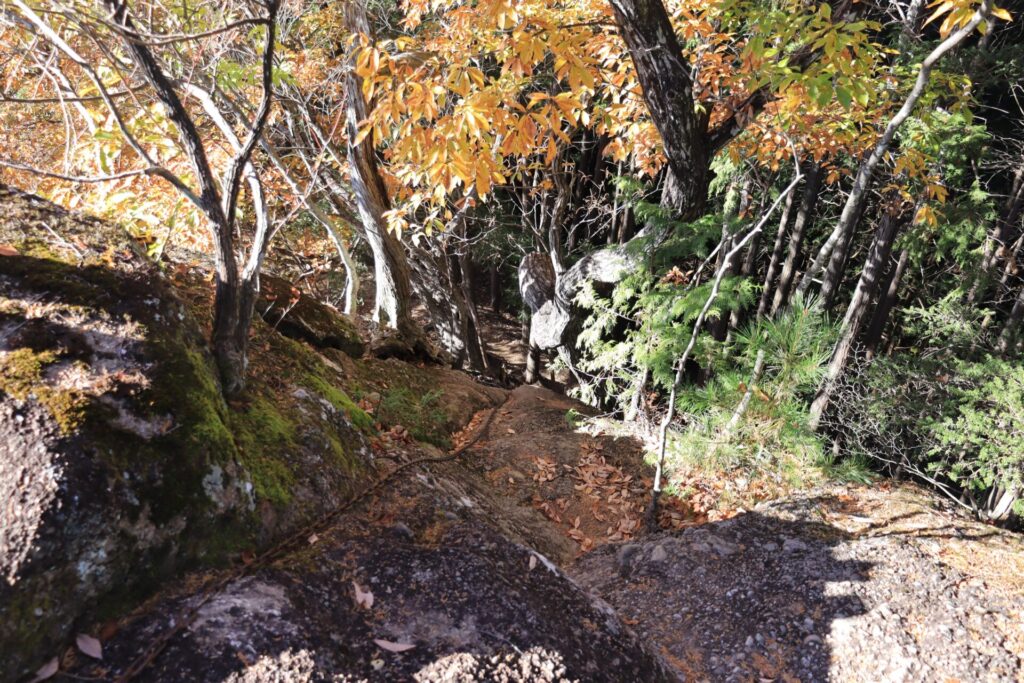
(421, 415)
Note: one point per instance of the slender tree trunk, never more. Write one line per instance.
(774, 261)
(651, 516)
(495, 281)
(885, 306)
(747, 267)
(1000, 237)
(804, 216)
(1011, 329)
(911, 25)
(854, 206)
(627, 225)
(393, 304)
(558, 213)
(836, 268)
(744, 403)
(729, 261)
(235, 293)
(877, 257)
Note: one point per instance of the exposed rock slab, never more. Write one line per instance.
(840, 586)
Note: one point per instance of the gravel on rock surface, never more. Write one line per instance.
(844, 585)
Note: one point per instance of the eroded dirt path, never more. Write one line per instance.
(844, 583)
(567, 488)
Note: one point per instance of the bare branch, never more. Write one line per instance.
(18, 166)
(233, 176)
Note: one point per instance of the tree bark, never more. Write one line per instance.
(495, 287)
(867, 285)
(804, 215)
(885, 306)
(1002, 234)
(664, 74)
(235, 292)
(836, 268)
(392, 280)
(776, 257)
(729, 261)
(451, 313)
(1008, 337)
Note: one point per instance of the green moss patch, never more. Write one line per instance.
(421, 415)
(341, 401)
(21, 376)
(264, 436)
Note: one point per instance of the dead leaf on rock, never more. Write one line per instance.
(533, 562)
(8, 250)
(89, 646)
(109, 630)
(363, 598)
(46, 671)
(393, 647)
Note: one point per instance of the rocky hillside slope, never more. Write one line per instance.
(357, 519)
(122, 466)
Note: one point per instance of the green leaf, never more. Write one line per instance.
(844, 97)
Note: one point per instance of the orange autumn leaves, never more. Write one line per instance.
(475, 94)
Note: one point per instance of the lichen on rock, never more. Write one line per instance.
(122, 462)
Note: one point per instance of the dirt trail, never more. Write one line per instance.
(850, 583)
(563, 488)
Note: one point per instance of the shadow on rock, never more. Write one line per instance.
(750, 598)
(471, 606)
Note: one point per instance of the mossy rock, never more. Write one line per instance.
(122, 464)
(296, 315)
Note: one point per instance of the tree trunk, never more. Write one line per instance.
(776, 256)
(728, 261)
(836, 268)
(393, 304)
(627, 225)
(804, 215)
(664, 74)
(877, 257)
(885, 306)
(235, 292)
(1000, 237)
(558, 214)
(495, 282)
(451, 316)
(1008, 338)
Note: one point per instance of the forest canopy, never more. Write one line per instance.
(772, 231)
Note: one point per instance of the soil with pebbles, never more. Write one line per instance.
(843, 585)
